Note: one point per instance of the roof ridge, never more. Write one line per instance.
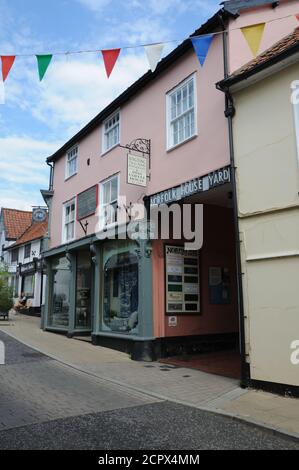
(17, 210)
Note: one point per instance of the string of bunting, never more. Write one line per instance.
(253, 35)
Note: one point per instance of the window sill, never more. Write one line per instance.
(170, 149)
(109, 150)
(69, 177)
(65, 242)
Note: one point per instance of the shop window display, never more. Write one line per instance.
(59, 313)
(121, 291)
(83, 286)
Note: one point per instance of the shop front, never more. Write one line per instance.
(153, 297)
(30, 279)
(102, 289)
(69, 299)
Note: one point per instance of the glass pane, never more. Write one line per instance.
(114, 190)
(106, 193)
(191, 94)
(121, 293)
(173, 106)
(185, 99)
(59, 311)
(83, 290)
(179, 103)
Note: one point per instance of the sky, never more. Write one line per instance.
(38, 117)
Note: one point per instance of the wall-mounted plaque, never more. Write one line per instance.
(87, 202)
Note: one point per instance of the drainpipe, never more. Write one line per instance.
(51, 165)
(229, 113)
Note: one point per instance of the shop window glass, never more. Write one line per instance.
(83, 286)
(121, 292)
(59, 313)
(28, 285)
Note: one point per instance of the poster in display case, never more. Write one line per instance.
(182, 280)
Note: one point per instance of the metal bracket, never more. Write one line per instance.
(84, 227)
(142, 146)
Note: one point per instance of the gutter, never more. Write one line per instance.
(225, 84)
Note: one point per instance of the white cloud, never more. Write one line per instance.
(95, 5)
(21, 200)
(74, 91)
(22, 161)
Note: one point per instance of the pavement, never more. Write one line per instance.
(154, 382)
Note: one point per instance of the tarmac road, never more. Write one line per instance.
(47, 405)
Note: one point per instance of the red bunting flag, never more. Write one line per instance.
(110, 57)
(297, 16)
(7, 63)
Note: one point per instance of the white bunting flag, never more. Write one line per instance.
(2, 93)
(154, 52)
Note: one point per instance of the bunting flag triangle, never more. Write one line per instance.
(110, 56)
(43, 62)
(201, 46)
(7, 63)
(153, 53)
(253, 35)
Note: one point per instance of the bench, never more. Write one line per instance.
(4, 315)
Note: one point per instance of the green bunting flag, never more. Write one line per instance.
(43, 62)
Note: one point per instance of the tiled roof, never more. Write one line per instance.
(35, 231)
(279, 47)
(235, 6)
(15, 222)
(277, 52)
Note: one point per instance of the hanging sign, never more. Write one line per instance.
(136, 170)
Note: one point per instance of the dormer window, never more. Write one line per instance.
(71, 162)
(111, 133)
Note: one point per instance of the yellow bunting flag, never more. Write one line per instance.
(253, 35)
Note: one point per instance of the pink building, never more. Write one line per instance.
(154, 298)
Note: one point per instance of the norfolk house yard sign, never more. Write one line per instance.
(197, 185)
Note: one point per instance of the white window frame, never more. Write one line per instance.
(104, 148)
(64, 223)
(102, 206)
(169, 143)
(67, 162)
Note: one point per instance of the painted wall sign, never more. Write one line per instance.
(87, 202)
(182, 280)
(136, 170)
(198, 185)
